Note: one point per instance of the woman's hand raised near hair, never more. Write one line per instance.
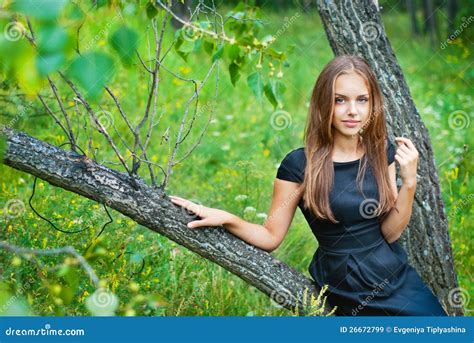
(209, 216)
(407, 158)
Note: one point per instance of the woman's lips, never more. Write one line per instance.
(351, 123)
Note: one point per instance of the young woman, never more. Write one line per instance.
(349, 197)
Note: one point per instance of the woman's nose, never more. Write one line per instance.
(352, 108)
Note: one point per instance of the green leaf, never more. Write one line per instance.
(125, 42)
(275, 54)
(218, 53)
(92, 70)
(40, 9)
(189, 33)
(100, 3)
(70, 275)
(197, 45)
(76, 12)
(279, 88)
(183, 55)
(151, 11)
(234, 53)
(234, 73)
(270, 94)
(13, 52)
(255, 83)
(183, 45)
(47, 64)
(208, 47)
(52, 39)
(274, 90)
(67, 295)
(178, 40)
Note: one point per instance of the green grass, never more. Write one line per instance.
(238, 155)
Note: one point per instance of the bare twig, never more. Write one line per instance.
(65, 115)
(185, 155)
(120, 108)
(101, 128)
(143, 64)
(64, 250)
(213, 34)
(51, 113)
(159, 42)
(183, 121)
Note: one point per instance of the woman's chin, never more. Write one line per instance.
(349, 132)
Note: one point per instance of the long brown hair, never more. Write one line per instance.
(319, 140)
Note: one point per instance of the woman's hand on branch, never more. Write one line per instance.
(209, 216)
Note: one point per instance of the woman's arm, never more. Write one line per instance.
(268, 236)
(398, 218)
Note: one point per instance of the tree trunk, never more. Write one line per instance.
(430, 21)
(152, 209)
(452, 9)
(356, 28)
(411, 7)
(182, 10)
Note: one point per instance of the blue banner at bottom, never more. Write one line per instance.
(236, 329)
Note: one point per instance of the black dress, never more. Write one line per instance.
(365, 274)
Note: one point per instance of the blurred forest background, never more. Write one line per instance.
(232, 168)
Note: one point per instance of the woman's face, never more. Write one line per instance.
(351, 104)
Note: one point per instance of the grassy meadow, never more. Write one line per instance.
(233, 168)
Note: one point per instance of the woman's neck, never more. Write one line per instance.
(347, 149)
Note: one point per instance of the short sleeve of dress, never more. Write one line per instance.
(292, 166)
(391, 150)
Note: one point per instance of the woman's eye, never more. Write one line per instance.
(363, 100)
(339, 100)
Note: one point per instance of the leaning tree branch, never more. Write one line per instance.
(151, 208)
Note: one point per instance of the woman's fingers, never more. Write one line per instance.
(402, 153)
(404, 148)
(176, 198)
(207, 216)
(188, 205)
(408, 143)
(196, 223)
(180, 201)
(407, 153)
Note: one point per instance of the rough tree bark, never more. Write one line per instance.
(355, 27)
(153, 209)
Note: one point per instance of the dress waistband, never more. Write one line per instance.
(361, 236)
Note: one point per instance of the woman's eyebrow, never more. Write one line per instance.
(346, 95)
